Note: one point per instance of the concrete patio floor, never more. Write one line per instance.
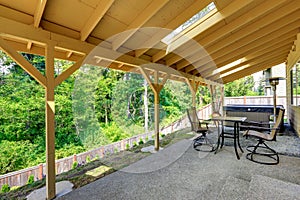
(180, 172)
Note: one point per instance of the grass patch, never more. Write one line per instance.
(99, 168)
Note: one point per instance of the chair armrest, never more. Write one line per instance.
(258, 128)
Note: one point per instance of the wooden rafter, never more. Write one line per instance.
(262, 58)
(261, 36)
(173, 24)
(217, 17)
(139, 21)
(39, 12)
(95, 17)
(272, 22)
(260, 66)
(243, 20)
(248, 57)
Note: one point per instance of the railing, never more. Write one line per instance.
(19, 178)
(255, 100)
(258, 100)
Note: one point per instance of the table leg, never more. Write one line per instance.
(234, 140)
(219, 135)
(222, 135)
(238, 138)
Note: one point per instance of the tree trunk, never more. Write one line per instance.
(146, 106)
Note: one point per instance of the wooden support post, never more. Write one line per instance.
(156, 118)
(156, 88)
(193, 85)
(50, 123)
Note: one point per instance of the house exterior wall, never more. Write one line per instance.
(293, 110)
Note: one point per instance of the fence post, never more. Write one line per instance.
(40, 175)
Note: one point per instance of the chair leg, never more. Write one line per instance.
(271, 153)
(200, 142)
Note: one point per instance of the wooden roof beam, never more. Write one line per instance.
(15, 29)
(139, 21)
(173, 24)
(240, 21)
(248, 43)
(217, 17)
(256, 30)
(39, 12)
(274, 44)
(259, 62)
(254, 69)
(260, 56)
(294, 54)
(242, 52)
(94, 19)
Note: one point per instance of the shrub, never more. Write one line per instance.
(88, 159)
(30, 179)
(147, 138)
(5, 188)
(135, 144)
(141, 141)
(127, 146)
(74, 165)
(14, 188)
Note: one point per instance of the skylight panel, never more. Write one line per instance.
(210, 7)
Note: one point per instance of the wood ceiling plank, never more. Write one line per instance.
(237, 40)
(250, 43)
(217, 17)
(262, 58)
(270, 44)
(239, 22)
(254, 69)
(173, 24)
(94, 19)
(139, 21)
(208, 73)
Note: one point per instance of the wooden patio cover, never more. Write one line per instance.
(236, 39)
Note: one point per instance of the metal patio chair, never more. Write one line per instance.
(201, 143)
(261, 149)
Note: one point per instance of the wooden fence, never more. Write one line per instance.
(19, 178)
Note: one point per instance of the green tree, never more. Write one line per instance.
(240, 87)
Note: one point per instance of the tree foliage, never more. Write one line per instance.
(240, 87)
(93, 107)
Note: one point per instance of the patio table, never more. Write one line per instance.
(223, 134)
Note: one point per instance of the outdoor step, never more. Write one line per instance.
(234, 188)
(262, 187)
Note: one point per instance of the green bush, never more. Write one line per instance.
(127, 146)
(147, 138)
(135, 144)
(88, 159)
(5, 188)
(30, 179)
(74, 165)
(14, 188)
(141, 141)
